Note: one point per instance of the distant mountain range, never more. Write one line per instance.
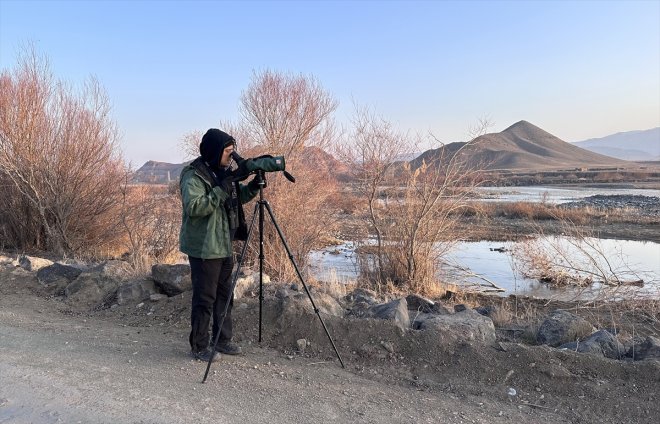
(521, 147)
(154, 172)
(641, 145)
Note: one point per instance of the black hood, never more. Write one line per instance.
(212, 145)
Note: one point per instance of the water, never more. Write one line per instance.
(553, 194)
(338, 263)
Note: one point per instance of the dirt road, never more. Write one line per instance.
(56, 367)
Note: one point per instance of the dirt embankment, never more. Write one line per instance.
(130, 364)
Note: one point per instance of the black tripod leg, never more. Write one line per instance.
(302, 280)
(231, 292)
(261, 262)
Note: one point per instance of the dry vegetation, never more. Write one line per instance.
(63, 178)
(66, 188)
(412, 213)
(283, 115)
(60, 168)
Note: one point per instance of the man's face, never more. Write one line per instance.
(225, 159)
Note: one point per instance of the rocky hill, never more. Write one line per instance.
(522, 146)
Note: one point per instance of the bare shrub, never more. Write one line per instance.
(411, 210)
(151, 219)
(291, 116)
(575, 259)
(60, 166)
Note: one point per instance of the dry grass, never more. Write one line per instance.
(541, 211)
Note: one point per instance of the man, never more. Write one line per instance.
(211, 203)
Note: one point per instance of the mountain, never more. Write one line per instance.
(641, 145)
(154, 172)
(522, 146)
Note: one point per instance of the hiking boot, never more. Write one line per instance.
(228, 348)
(204, 355)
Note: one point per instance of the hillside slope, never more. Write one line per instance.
(522, 146)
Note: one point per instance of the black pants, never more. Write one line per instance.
(211, 282)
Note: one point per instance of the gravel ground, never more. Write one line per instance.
(111, 366)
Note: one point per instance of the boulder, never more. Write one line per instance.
(57, 275)
(460, 308)
(247, 283)
(90, 290)
(135, 291)
(120, 270)
(419, 319)
(464, 326)
(419, 303)
(326, 304)
(486, 311)
(396, 311)
(363, 295)
(600, 343)
(647, 349)
(172, 279)
(30, 263)
(563, 327)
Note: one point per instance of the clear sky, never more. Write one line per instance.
(577, 69)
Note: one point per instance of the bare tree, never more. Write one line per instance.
(59, 154)
(285, 113)
(292, 116)
(412, 208)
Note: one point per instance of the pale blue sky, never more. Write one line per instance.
(576, 69)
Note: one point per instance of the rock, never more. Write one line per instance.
(363, 295)
(486, 311)
(464, 326)
(388, 346)
(282, 293)
(439, 309)
(248, 283)
(647, 349)
(573, 346)
(57, 275)
(396, 311)
(135, 291)
(563, 327)
(157, 297)
(302, 344)
(90, 290)
(326, 304)
(30, 263)
(419, 303)
(120, 270)
(600, 343)
(172, 279)
(606, 342)
(419, 319)
(359, 309)
(460, 308)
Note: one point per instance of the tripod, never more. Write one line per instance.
(259, 210)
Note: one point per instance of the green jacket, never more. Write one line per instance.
(204, 225)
